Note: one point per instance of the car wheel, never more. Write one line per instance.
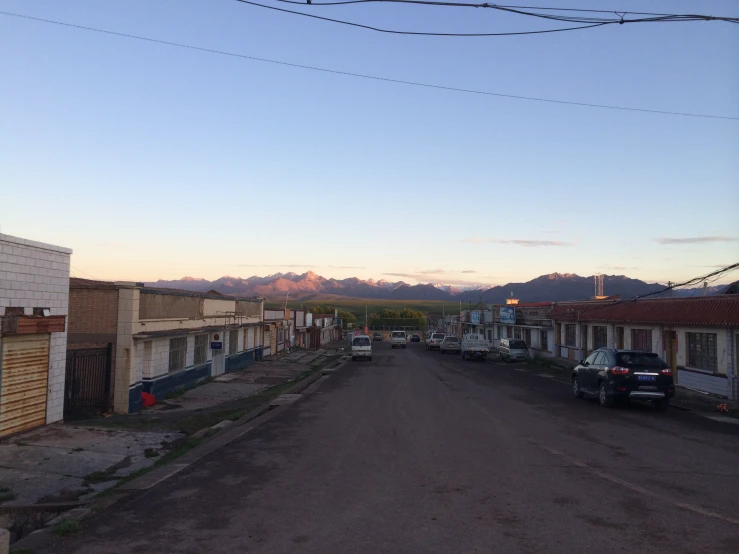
(354, 359)
(576, 391)
(603, 398)
(662, 404)
(370, 359)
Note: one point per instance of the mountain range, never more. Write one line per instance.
(310, 286)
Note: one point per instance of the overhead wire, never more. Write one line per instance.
(422, 33)
(370, 77)
(586, 22)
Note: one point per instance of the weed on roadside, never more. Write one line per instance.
(101, 477)
(151, 453)
(179, 391)
(6, 495)
(78, 449)
(68, 528)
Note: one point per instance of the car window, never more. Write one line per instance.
(591, 359)
(361, 341)
(438, 336)
(518, 344)
(451, 339)
(398, 334)
(640, 359)
(600, 358)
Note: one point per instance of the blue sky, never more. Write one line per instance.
(152, 161)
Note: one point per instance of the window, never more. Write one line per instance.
(517, 345)
(517, 333)
(620, 338)
(570, 334)
(543, 340)
(497, 332)
(233, 342)
(249, 338)
(702, 351)
(177, 353)
(591, 359)
(641, 339)
(648, 361)
(362, 341)
(600, 358)
(527, 336)
(147, 358)
(508, 333)
(201, 345)
(600, 336)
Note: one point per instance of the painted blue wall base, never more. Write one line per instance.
(160, 387)
(134, 398)
(239, 361)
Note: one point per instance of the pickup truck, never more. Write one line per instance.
(475, 347)
(398, 339)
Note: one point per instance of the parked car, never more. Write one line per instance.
(361, 348)
(475, 346)
(398, 338)
(449, 344)
(612, 375)
(415, 338)
(513, 349)
(434, 341)
(377, 336)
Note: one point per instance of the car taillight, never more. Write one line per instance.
(666, 371)
(618, 370)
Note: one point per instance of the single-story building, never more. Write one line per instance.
(160, 339)
(34, 287)
(698, 337)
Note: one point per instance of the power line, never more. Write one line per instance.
(588, 22)
(373, 77)
(419, 33)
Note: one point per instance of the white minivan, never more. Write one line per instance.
(361, 348)
(513, 349)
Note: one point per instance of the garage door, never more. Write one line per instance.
(23, 381)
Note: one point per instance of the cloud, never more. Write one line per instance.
(469, 271)
(618, 267)
(520, 242)
(432, 272)
(298, 266)
(694, 240)
(345, 266)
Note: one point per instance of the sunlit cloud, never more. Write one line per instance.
(694, 240)
(518, 242)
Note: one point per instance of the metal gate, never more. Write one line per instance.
(87, 382)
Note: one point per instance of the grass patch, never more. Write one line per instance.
(151, 453)
(78, 449)
(6, 495)
(179, 391)
(68, 528)
(101, 477)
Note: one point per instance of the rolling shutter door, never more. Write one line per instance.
(23, 381)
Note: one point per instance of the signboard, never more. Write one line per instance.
(216, 345)
(475, 318)
(507, 315)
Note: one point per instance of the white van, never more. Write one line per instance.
(362, 347)
(513, 349)
(398, 338)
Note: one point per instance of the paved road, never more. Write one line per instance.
(419, 452)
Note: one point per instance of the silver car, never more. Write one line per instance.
(450, 344)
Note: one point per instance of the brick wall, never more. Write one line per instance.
(36, 275)
(93, 315)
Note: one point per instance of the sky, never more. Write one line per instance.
(152, 161)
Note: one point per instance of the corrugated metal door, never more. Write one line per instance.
(23, 380)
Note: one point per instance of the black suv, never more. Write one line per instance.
(376, 336)
(613, 375)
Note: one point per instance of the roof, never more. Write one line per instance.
(719, 310)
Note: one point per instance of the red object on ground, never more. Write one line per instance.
(148, 399)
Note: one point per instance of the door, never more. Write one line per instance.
(24, 378)
(588, 372)
(219, 359)
(87, 380)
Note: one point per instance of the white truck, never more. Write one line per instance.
(398, 338)
(475, 347)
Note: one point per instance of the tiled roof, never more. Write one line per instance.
(720, 310)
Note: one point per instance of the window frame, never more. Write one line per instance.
(180, 352)
(600, 332)
(233, 345)
(200, 356)
(635, 333)
(543, 339)
(571, 335)
(702, 355)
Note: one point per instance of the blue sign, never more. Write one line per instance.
(216, 345)
(475, 318)
(507, 315)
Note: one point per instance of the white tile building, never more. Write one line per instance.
(34, 294)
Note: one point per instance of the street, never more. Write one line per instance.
(420, 452)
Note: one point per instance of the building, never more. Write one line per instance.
(34, 286)
(159, 340)
(302, 321)
(698, 337)
(324, 330)
(277, 330)
(527, 321)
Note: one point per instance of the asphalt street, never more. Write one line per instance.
(420, 452)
